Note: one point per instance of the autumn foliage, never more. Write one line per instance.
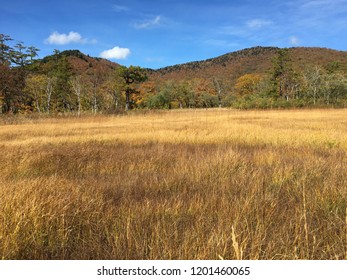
(260, 77)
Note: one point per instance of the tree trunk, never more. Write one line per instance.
(37, 106)
(76, 85)
(115, 99)
(127, 101)
(95, 105)
(49, 89)
(79, 105)
(219, 92)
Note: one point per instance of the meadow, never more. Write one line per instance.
(181, 184)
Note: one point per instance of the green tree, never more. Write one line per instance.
(335, 88)
(12, 79)
(163, 99)
(131, 75)
(32, 53)
(62, 72)
(18, 56)
(13, 71)
(281, 73)
(184, 94)
(5, 50)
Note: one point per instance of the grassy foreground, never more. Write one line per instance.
(202, 184)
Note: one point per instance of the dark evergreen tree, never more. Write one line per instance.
(131, 75)
(62, 72)
(281, 72)
(5, 49)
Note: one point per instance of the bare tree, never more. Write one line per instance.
(313, 81)
(49, 91)
(77, 88)
(219, 89)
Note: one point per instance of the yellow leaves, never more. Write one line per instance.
(145, 90)
(36, 82)
(247, 84)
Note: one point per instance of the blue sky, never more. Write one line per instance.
(160, 33)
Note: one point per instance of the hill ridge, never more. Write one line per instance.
(250, 60)
(229, 66)
(246, 51)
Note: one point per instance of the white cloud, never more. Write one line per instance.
(258, 23)
(294, 41)
(148, 23)
(116, 53)
(318, 3)
(63, 39)
(119, 8)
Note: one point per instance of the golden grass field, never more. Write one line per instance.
(185, 184)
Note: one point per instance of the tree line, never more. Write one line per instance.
(54, 86)
(280, 87)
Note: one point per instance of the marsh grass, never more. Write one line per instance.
(204, 184)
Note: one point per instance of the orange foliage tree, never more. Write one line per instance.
(247, 84)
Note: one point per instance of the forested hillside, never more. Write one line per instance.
(259, 77)
(253, 60)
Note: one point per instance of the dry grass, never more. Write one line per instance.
(204, 184)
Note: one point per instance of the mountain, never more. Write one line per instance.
(219, 81)
(229, 66)
(252, 60)
(81, 63)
